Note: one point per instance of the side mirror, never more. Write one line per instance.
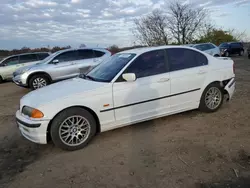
(129, 77)
(55, 61)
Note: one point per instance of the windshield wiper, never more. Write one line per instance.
(84, 76)
(89, 77)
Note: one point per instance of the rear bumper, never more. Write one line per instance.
(230, 88)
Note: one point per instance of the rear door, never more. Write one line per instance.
(85, 60)
(28, 59)
(188, 70)
(66, 67)
(10, 65)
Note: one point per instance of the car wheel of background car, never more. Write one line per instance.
(241, 53)
(38, 81)
(216, 55)
(212, 98)
(73, 128)
(226, 54)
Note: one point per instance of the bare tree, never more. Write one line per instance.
(185, 21)
(151, 29)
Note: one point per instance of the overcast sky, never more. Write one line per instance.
(37, 23)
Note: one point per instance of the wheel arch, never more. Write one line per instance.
(215, 82)
(98, 128)
(39, 72)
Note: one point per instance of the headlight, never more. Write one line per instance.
(32, 112)
(24, 70)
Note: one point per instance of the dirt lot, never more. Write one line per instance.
(191, 149)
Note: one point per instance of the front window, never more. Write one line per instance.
(49, 58)
(108, 69)
(11, 61)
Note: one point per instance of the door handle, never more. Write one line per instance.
(164, 80)
(202, 72)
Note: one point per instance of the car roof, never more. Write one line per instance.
(83, 48)
(142, 50)
(28, 53)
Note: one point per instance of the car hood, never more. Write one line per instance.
(59, 91)
(36, 64)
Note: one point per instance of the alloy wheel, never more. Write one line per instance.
(213, 98)
(39, 83)
(74, 130)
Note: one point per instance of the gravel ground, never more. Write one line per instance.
(191, 149)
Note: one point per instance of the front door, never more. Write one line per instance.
(147, 96)
(9, 66)
(188, 70)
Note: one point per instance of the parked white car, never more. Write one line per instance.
(130, 87)
(209, 48)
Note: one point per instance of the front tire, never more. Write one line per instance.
(226, 54)
(73, 128)
(38, 81)
(212, 98)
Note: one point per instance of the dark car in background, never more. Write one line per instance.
(229, 48)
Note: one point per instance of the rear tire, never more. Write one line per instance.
(38, 81)
(73, 128)
(212, 98)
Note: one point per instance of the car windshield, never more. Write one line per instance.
(108, 69)
(223, 45)
(49, 57)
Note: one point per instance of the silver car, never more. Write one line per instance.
(209, 48)
(60, 65)
(10, 64)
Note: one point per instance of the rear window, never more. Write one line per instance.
(42, 56)
(98, 53)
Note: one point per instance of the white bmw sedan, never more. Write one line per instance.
(132, 86)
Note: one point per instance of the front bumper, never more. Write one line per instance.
(35, 131)
(20, 80)
(230, 88)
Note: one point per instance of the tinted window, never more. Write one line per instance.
(98, 53)
(148, 64)
(200, 47)
(236, 45)
(11, 61)
(85, 54)
(210, 46)
(184, 58)
(42, 56)
(224, 45)
(28, 58)
(107, 70)
(67, 56)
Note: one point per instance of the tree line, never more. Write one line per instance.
(181, 24)
(4, 53)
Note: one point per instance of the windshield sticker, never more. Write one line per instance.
(124, 55)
